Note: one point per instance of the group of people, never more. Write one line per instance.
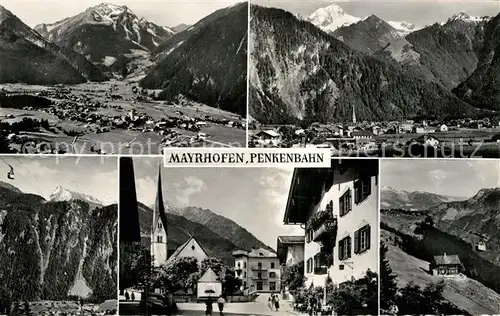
(220, 303)
(274, 302)
(129, 296)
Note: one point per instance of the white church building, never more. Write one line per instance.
(159, 236)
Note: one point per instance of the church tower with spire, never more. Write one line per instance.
(159, 228)
(353, 114)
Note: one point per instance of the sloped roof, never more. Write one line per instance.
(209, 277)
(292, 239)
(261, 252)
(270, 133)
(183, 246)
(447, 260)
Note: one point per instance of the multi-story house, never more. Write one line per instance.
(290, 250)
(259, 270)
(338, 208)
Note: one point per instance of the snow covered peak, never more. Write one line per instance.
(61, 194)
(463, 16)
(331, 18)
(403, 28)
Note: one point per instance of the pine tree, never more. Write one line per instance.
(388, 282)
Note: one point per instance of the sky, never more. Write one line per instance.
(418, 12)
(254, 198)
(161, 12)
(460, 178)
(42, 175)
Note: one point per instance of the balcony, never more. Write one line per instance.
(323, 226)
(320, 270)
(260, 278)
(258, 269)
(325, 231)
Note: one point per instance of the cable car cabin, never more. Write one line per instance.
(10, 174)
(481, 246)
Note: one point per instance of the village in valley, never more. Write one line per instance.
(469, 137)
(112, 118)
(329, 266)
(375, 79)
(84, 83)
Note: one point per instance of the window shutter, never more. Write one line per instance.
(368, 183)
(368, 237)
(348, 247)
(356, 241)
(357, 188)
(341, 249)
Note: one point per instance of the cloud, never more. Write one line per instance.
(187, 188)
(146, 190)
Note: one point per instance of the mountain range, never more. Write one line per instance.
(26, 56)
(218, 235)
(205, 62)
(391, 198)
(333, 17)
(319, 68)
(107, 34)
(456, 227)
(216, 74)
(471, 219)
(59, 248)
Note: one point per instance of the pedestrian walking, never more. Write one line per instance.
(209, 308)
(127, 296)
(270, 302)
(312, 306)
(132, 296)
(220, 302)
(276, 302)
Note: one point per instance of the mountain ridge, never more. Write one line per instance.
(29, 58)
(305, 75)
(109, 35)
(58, 248)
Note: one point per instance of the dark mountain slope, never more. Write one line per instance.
(22, 61)
(223, 226)
(448, 53)
(300, 73)
(49, 62)
(50, 250)
(482, 88)
(180, 229)
(207, 65)
(369, 35)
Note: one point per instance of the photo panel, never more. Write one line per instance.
(85, 77)
(375, 78)
(248, 240)
(58, 235)
(440, 247)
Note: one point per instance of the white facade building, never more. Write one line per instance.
(259, 270)
(338, 207)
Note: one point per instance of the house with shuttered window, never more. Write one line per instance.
(338, 209)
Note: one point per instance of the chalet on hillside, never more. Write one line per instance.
(447, 265)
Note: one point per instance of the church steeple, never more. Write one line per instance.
(159, 228)
(353, 114)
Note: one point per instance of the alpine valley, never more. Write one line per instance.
(110, 72)
(419, 225)
(317, 69)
